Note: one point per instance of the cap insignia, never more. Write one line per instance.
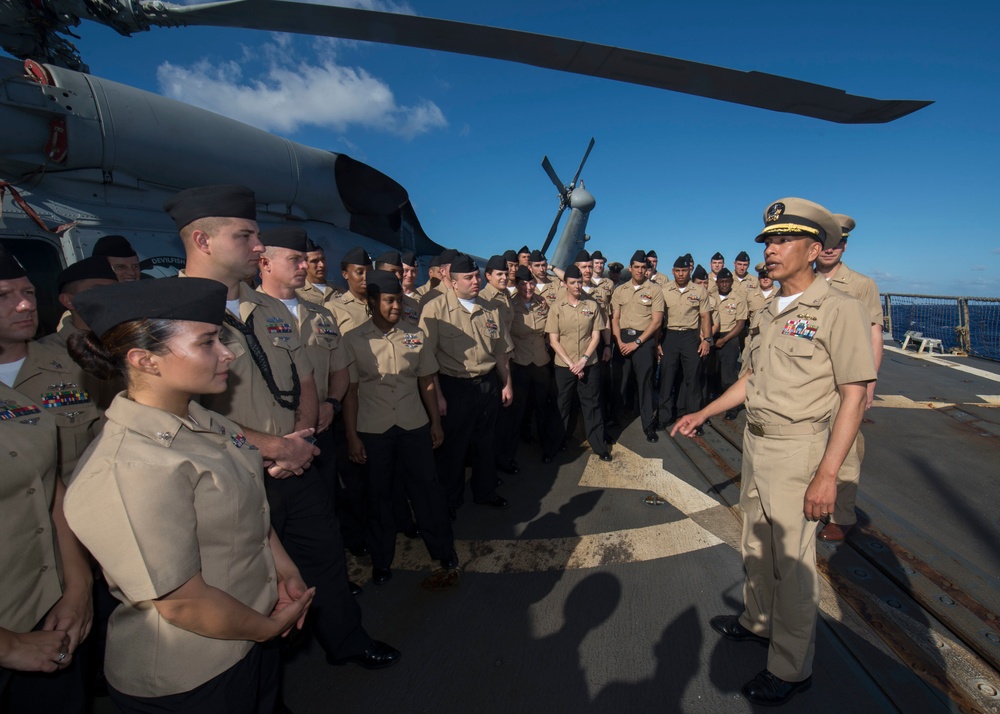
(774, 212)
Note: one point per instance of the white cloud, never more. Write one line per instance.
(286, 96)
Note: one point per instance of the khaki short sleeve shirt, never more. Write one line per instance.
(465, 344)
(248, 399)
(757, 300)
(527, 331)
(157, 499)
(732, 309)
(319, 332)
(747, 285)
(386, 367)
(411, 309)
(798, 356)
(683, 309)
(601, 293)
(548, 291)
(349, 311)
(32, 581)
(861, 287)
(637, 304)
(51, 378)
(575, 325)
(312, 294)
(500, 301)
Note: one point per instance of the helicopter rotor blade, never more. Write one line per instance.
(553, 175)
(552, 230)
(577, 176)
(755, 89)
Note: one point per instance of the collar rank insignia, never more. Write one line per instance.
(277, 326)
(411, 340)
(238, 439)
(64, 397)
(799, 328)
(325, 327)
(222, 430)
(164, 435)
(9, 409)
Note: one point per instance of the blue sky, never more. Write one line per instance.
(466, 136)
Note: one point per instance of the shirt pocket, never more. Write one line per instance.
(792, 359)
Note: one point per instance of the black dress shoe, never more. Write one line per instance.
(508, 466)
(380, 576)
(494, 501)
(413, 533)
(651, 436)
(450, 563)
(358, 550)
(730, 415)
(379, 655)
(605, 456)
(769, 691)
(353, 587)
(699, 431)
(729, 627)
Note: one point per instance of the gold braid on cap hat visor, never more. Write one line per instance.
(792, 229)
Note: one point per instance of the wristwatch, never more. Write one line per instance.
(335, 403)
(707, 339)
(638, 341)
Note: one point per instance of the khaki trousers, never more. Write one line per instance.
(781, 591)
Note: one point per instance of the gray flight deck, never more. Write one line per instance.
(582, 598)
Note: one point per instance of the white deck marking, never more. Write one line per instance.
(898, 401)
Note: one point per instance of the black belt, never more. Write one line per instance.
(468, 380)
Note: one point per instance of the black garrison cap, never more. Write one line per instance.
(510, 256)
(690, 259)
(114, 247)
(681, 262)
(11, 268)
(536, 256)
(582, 257)
(312, 246)
(496, 262)
(390, 257)
(435, 262)
(573, 271)
(743, 257)
(699, 273)
(95, 267)
(523, 274)
(718, 256)
(285, 237)
(221, 201)
(409, 258)
(638, 257)
(652, 254)
(448, 256)
(466, 264)
(194, 299)
(382, 282)
(357, 256)
(524, 249)
(597, 255)
(724, 274)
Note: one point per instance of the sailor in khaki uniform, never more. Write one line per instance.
(806, 364)
(732, 308)
(468, 339)
(510, 257)
(575, 326)
(687, 340)
(316, 289)
(717, 263)
(530, 373)
(86, 273)
(830, 265)
(742, 280)
(351, 308)
(545, 287)
(171, 496)
(395, 262)
(45, 602)
(272, 396)
(636, 316)
(393, 427)
(496, 295)
(655, 277)
(710, 379)
(495, 291)
(764, 292)
(121, 256)
(524, 256)
(433, 278)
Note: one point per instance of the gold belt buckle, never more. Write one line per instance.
(755, 429)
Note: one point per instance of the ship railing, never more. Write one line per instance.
(965, 325)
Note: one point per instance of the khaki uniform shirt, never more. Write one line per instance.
(549, 291)
(101, 391)
(660, 279)
(432, 293)
(248, 400)
(747, 285)
(861, 287)
(64, 329)
(385, 366)
(500, 301)
(32, 581)
(465, 344)
(682, 310)
(319, 334)
(575, 326)
(312, 294)
(423, 289)
(757, 300)
(800, 355)
(637, 305)
(527, 331)
(156, 500)
(713, 310)
(411, 309)
(349, 311)
(51, 378)
(601, 294)
(731, 309)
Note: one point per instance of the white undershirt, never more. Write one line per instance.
(588, 288)
(8, 372)
(636, 287)
(682, 290)
(767, 293)
(784, 302)
(293, 306)
(322, 288)
(467, 304)
(723, 298)
(234, 307)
